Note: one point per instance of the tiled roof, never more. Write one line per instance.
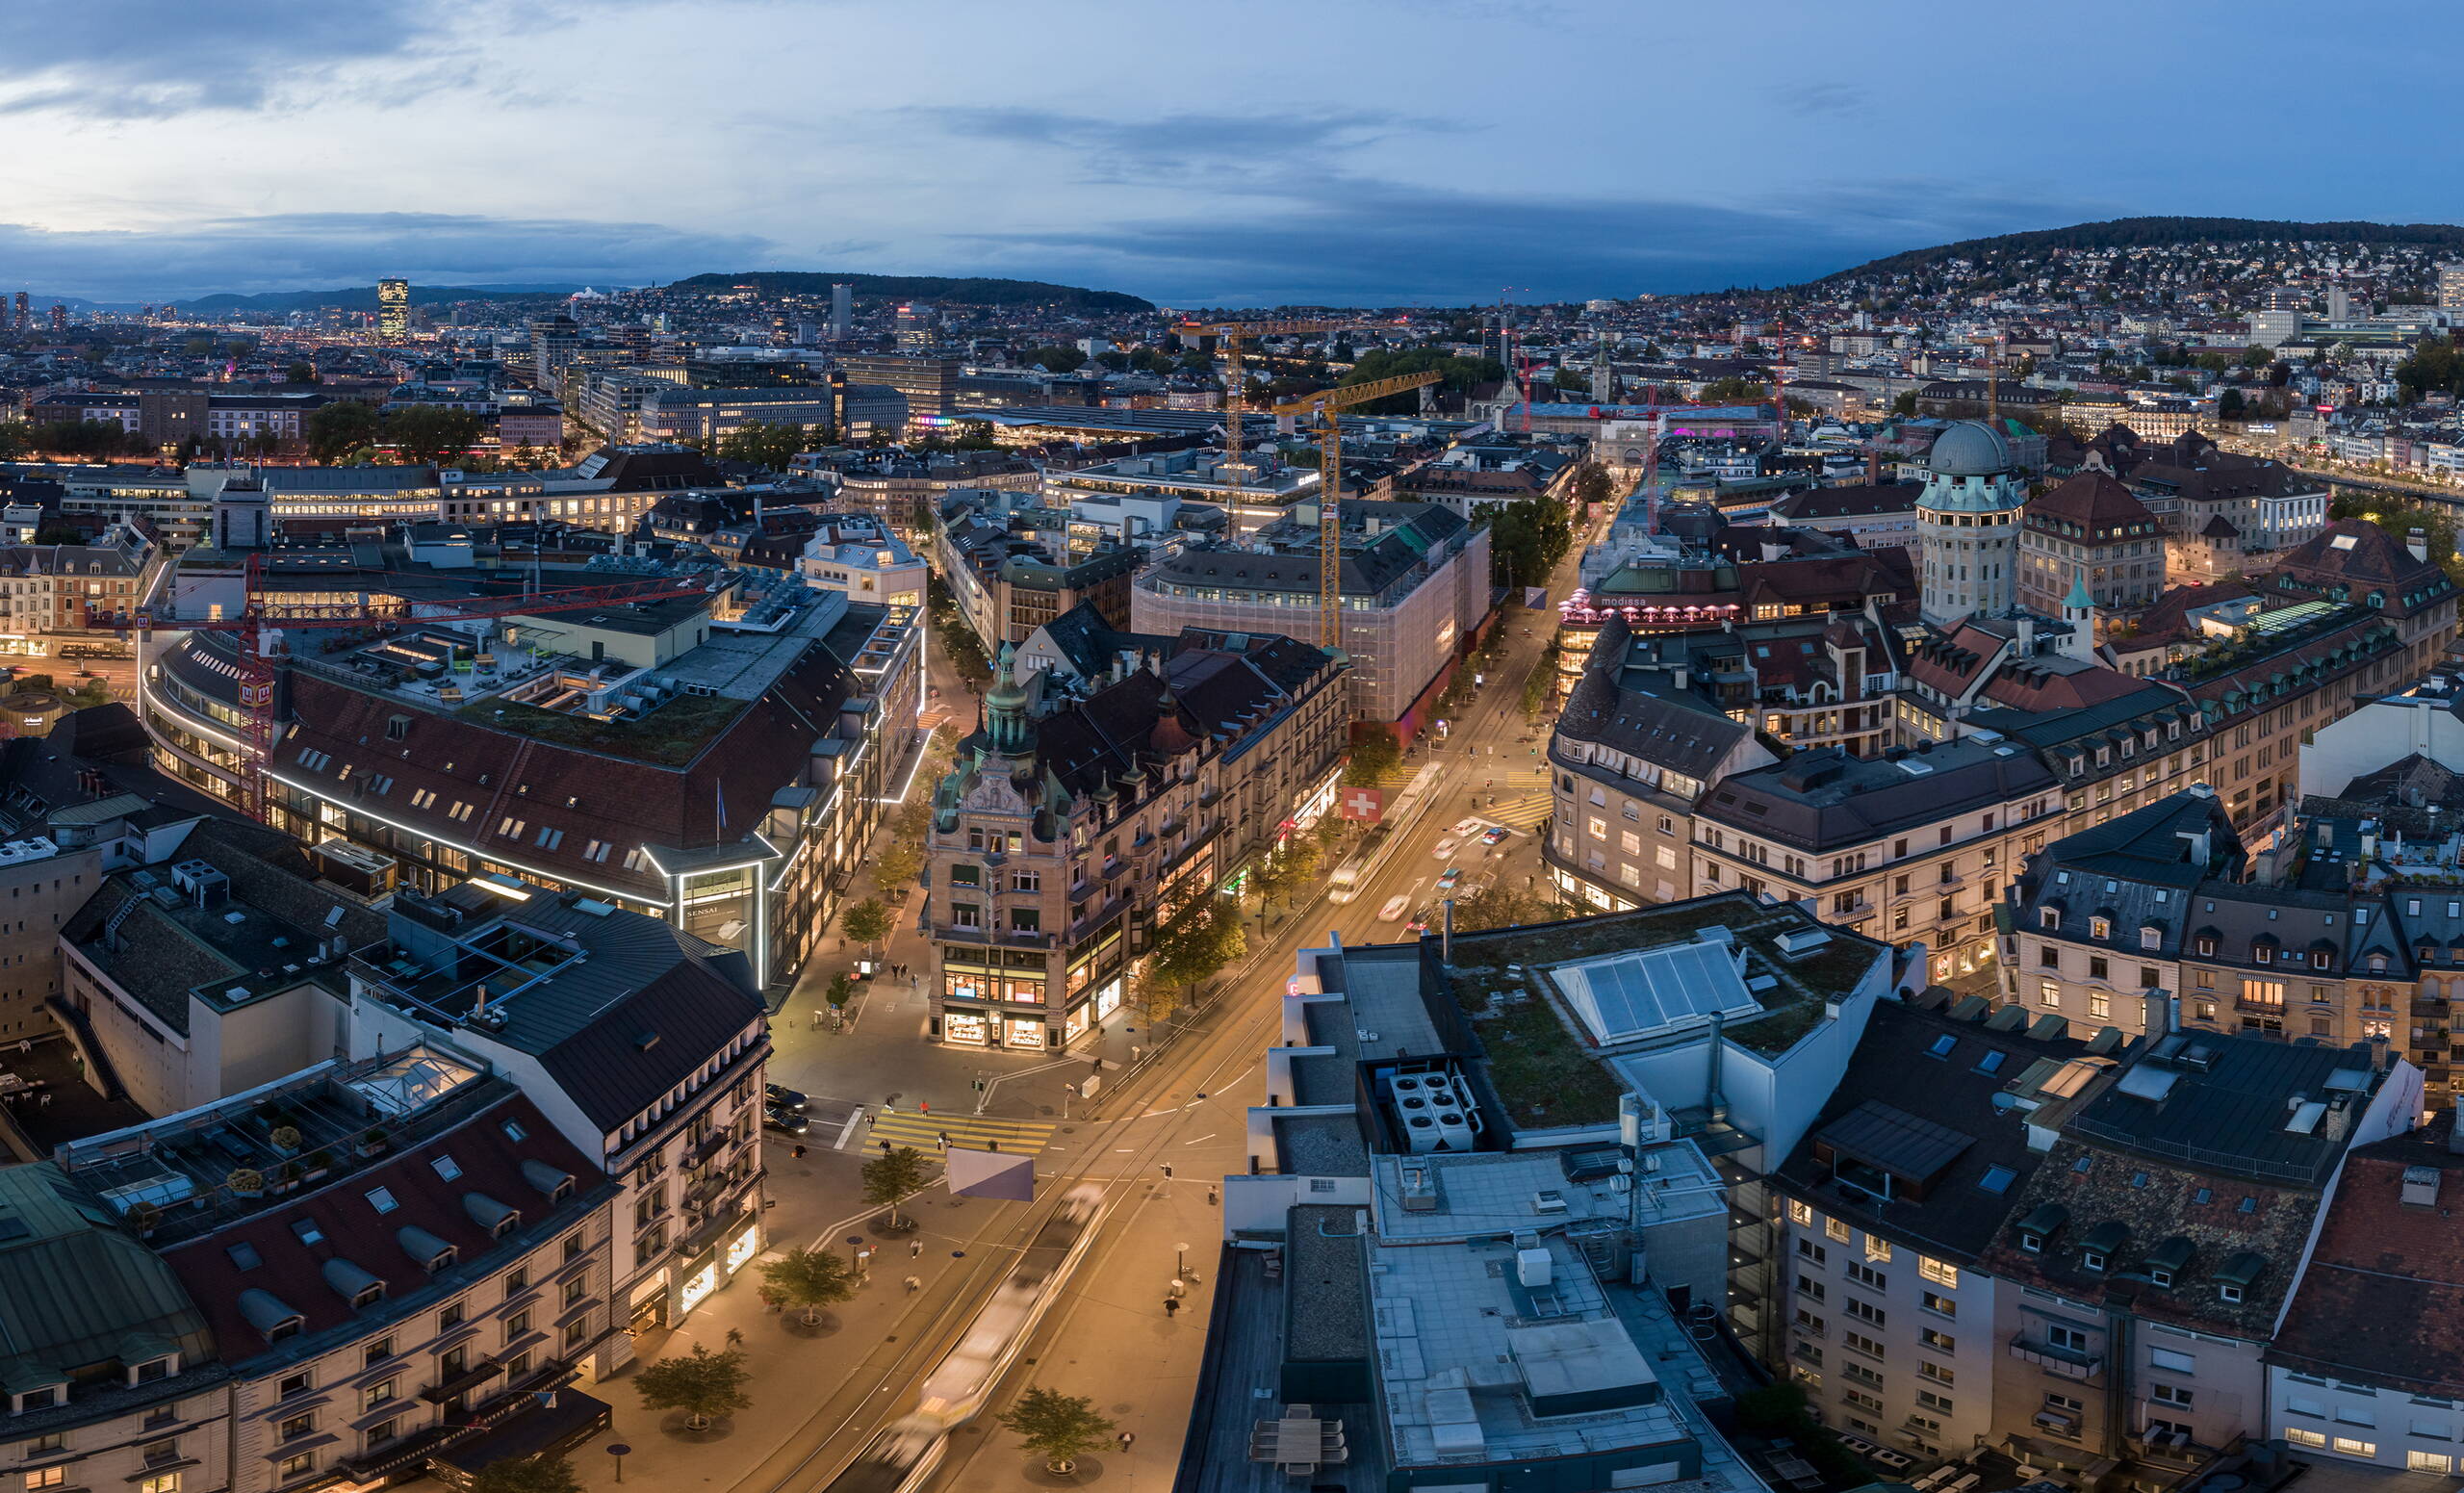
(351, 1229)
(2383, 1298)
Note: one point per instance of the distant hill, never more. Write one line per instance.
(2151, 232)
(923, 286)
(363, 297)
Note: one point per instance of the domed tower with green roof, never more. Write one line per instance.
(1968, 525)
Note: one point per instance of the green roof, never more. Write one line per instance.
(74, 1287)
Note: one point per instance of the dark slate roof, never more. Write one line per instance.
(2091, 506)
(2355, 559)
(2382, 1300)
(1861, 499)
(1823, 799)
(639, 1017)
(1672, 731)
(1962, 1126)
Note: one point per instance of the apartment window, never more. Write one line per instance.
(1940, 1271)
(2352, 1447)
(2172, 1362)
(1867, 1276)
(1863, 1344)
(449, 1318)
(516, 1281)
(2068, 1339)
(296, 1426)
(1862, 1400)
(2301, 1437)
(292, 1385)
(160, 1482)
(298, 1466)
(43, 1477)
(1942, 1304)
(376, 1395)
(2428, 1461)
(2170, 1394)
(1838, 1230)
(1933, 1401)
(1810, 1288)
(1812, 1324)
(1807, 1248)
(377, 1352)
(1877, 1249)
(574, 1291)
(1800, 1215)
(1940, 1342)
(1865, 1311)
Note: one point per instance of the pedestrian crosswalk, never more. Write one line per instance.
(1527, 811)
(969, 1132)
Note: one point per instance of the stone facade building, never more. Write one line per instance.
(1081, 817)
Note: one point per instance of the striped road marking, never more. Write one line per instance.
(969, 1132)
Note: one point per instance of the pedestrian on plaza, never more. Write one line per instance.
(945, 1143)
(923, 1107)
(736, 1337)
(1171, 1306)
(913, 1285)
(1127, 1437)
(915, 1248)
(799, 1153)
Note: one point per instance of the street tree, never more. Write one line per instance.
(841, 991)
(1500, 906)
(899, 863)
(1374, 753)
(302, 372)
(526, 1475)
(702, 1385)
(1058, 1428)
(339, 428)
(428, 436)
(891, 1177)
(809, 1279)
(1191, 950)
(869, 922)
(767, 443)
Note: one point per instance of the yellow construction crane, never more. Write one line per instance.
(1231, 334)
(1330, 487)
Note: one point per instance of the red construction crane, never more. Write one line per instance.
(265, 609)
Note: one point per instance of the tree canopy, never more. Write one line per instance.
(1374, 753)
(430, 436)
(770, 444)
(1461, 375)
(809, 1279)
(702, 1385)
(1056, 1426)
(1191, 950)
(892, 1176)
(336, 430)
(1526, 539)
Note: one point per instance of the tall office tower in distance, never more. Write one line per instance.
(914, 327)
(59, 317)
(25, 311)
(2451, 287)
(554, 339)
(842, 311)
(393, 309)
(2339, 304)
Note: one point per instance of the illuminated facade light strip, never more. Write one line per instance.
(558, 877)
(188, 718)
(913, 768)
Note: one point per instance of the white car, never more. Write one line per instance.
(1395, 909)
(1446, 848)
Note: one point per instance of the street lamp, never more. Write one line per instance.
(1180, 1261)
(619, 1449)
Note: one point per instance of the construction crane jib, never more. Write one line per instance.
(1232, 334)
(1330, 487)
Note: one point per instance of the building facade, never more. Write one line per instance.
(1968, 525)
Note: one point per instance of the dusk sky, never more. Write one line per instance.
(1359, 152)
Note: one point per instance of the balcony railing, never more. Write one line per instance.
(1008, 938)
(2062, 1362)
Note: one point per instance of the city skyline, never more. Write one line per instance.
(1381, 155)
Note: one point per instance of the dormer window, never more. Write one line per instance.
(2050, 916)
(2206, 947)
(2160, 1279)
(2377, 964)
(2263, 954)
(2033, 1244)
(2151, 938)
(2090, 1259)
(369, 1295)
(2230, 1294)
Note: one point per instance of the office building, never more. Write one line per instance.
(1004, 556)
(929, 384)
(918, 328)
(1086, 814)
(2451, 287)
(556, 343)
(718, 758)
(842, 315)
(393, 310)
(1415, 589)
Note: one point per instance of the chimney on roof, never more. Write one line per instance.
(1874, 467)
(2160, 1011)
(2417, 543)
